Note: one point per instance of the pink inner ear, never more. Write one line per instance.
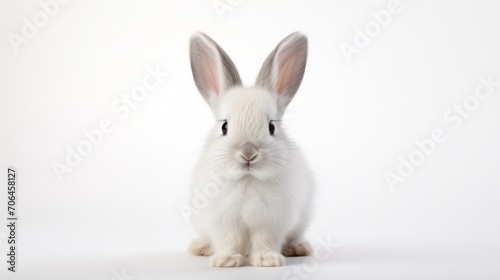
(288, 65)
(209, 75)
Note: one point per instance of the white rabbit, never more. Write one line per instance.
(256, 183)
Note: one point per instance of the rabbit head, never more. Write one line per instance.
(248, 136)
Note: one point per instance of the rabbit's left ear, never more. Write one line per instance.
(213, 71)
(284, 68)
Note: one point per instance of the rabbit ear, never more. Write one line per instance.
(213, 71)
(284, 68)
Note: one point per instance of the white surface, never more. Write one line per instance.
(120, 207)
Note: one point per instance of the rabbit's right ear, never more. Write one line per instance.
(213, 71)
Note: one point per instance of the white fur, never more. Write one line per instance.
(256, 212)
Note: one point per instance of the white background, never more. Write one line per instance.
(118, 210)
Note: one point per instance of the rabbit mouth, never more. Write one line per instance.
(248, 165)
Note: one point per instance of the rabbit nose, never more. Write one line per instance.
(248, 154)
(248, 158)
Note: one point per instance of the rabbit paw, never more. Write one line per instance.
(200, 248)
(267, 259)
(226, 260)
(297, 248)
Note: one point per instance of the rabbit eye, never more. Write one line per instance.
(271, 128)
(224, 128)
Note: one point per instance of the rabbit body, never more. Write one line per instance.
(252, 186)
